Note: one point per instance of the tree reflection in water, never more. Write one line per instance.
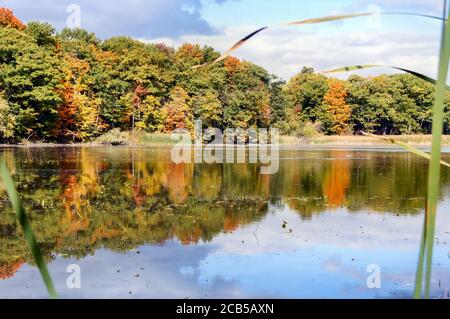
(83, 199)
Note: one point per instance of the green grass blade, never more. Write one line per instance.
(419, 272)
(414, 14)
(435, 167)
(352, 68)
(28, 232)
(368, 66)
(233, 48)
(406, 147)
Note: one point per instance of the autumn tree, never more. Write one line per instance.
(79, 111)
(7, 19)
(66, 125)
(153, 115)
(179, 114)
(336, 106)
(231, 65)
(72, 86)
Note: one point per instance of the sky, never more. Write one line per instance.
(404, 41)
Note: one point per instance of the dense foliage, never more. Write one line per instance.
(71, 86)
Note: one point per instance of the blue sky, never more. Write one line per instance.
(408, 42)
(267, 12)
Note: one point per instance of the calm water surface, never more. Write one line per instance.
(140, 226)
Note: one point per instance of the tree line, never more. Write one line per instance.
(71, 86)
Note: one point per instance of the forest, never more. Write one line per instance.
(70, 86)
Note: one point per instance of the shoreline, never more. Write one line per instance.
(285, 142)
(282, 147)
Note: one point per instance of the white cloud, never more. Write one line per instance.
(121, 17)
(283, 51)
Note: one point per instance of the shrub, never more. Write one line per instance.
(311, 130)
(114, 137)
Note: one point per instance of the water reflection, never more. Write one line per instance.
(85, 200)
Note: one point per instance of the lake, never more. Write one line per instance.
(137, 225)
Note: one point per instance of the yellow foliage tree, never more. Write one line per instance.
(79, 112)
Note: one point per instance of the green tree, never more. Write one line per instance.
(207, 107)
(305, 93)
(245, 95)
(277, 102)
(121, 44)
(134, 66)
(79, 43)
(43, 33)
(30, 77)
(7, 120)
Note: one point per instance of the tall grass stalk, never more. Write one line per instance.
(28, 232)
(419, 270)
(368, 66)
(435, 167)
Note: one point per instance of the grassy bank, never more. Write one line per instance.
(418, 140)
(143, 138)
(117, 138)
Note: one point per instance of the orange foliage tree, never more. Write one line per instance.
(231, 64)
(65, 126)
(336, 106)
(8, 19)
(189, 53)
